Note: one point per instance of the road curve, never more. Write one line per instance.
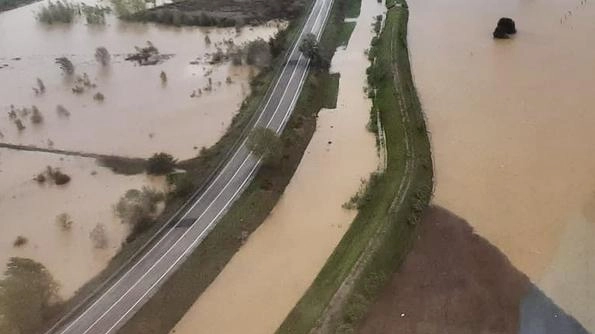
(126, 295)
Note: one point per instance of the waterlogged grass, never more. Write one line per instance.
(346, 31)
(11, 4)
(331, 90)
(353, 8)
(381, 234)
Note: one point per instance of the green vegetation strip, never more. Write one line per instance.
(11, 4)
(346, 31)
(381, 234)
(353, 8)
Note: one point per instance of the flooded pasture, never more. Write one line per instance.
(511, 125)
(265, 279)
(139, 115)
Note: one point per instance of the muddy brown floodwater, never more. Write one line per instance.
(511, 124)
(138, 117)
(266, 278)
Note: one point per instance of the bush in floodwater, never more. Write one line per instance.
(57, 12)
(98, 236)
(163, 77)
(138, 207)
(99, 97)
(36, 116)
(102, 56)
(19, 125)
(65, 65)
(94, 14)
(64, 221)
(62, 111)
(124, 8)
(160, 164)
(57, 176)
(40, 89)
(28, 295)
(20, 241)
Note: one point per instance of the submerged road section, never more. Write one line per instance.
(125, 296)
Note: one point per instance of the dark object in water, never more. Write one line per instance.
(504, 28)
(507, 24)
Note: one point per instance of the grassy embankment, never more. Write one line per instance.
(381, 234)
(12, 4)
(182, 289)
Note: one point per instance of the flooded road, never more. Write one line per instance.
(265, 279)
(139, 115)
(511, 126)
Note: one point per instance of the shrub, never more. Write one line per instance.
(160, 164)
(62, 111)
(57, 176)
(65, 65)
(40, 87)
(94, 14)
(102, 56)
(36, 116)
(138, 206)
(98, 236)
(27, 294)
(265, 144)
(64, 221)
(57, 12)
(19, 125)
(258, 53)
(99, 97)
(20, 241)
(163, 77)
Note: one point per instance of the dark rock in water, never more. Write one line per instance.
(507, 25)
(499, 33)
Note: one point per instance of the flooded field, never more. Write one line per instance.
(266, 278)
(29, 209)
(511, 124)
(140, 115)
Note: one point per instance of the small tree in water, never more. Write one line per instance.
(160, 163)
(102, 56)
(65, 65)
(265, 144)
(163, 77)
(27, 293)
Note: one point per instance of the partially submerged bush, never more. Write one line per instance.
(102, 56)
(27, 294)
(94, 14)
(64, 221)
(258, 53)
(53, 174)
(57, 12)
(160, 164)
(65, 65)
(98, 236)
(62, 111)
(36, 116)
(138, 207)
(40, 89)
(99, 97)
(163, 77)
(125, 8)
(20, 241)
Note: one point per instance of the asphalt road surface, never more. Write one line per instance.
(120, 300)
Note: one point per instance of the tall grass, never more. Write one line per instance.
(58, 12)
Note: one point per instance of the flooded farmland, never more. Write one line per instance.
(265, 279)
(511, 126)
(140, 114)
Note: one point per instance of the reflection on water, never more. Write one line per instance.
(266, 278)
(511, 125)
(139, 116)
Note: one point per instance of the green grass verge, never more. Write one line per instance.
(380, 221)
(346, 31)
(331, 91)
(353, 8)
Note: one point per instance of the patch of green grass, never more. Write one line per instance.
(380, 222)
(331, 91)
(353, 8)
(346, 31)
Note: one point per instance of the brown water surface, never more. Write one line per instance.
(511, 124)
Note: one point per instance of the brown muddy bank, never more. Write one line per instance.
(454, 281)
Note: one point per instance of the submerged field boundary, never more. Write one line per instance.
(381, 234)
